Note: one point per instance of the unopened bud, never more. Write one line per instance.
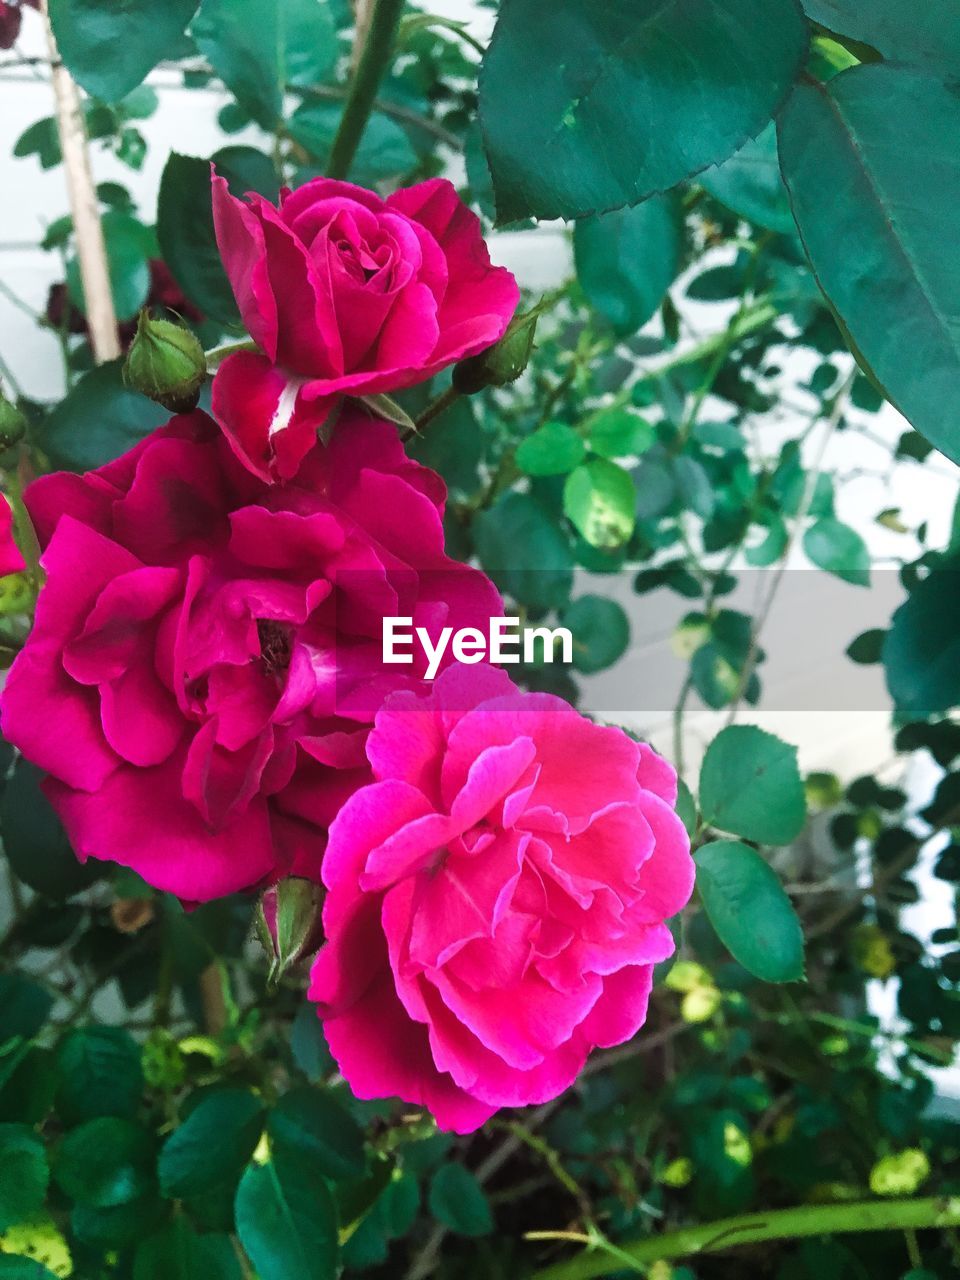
(166, 362)
(289, 923)
(13, 424)
(504, 361)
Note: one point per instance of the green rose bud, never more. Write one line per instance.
(289, 923)
(504, 361)
(166, 363)
(13, 424)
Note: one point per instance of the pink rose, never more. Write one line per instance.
(206, 659)
(11, 561)
(346, 293)
(496, 898)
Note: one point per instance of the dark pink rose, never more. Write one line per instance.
(346, 293)
(206, 659)
(11, 561)
(496, 898)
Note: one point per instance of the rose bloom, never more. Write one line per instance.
(11, 561)
(496, 898)
(206, 659)
(346, 293)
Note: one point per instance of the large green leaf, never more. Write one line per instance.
(99, 419)
(35, 842)
(750, 785)
(99, 1073)
(212, 1145)
(750, 183)
(589, 105)
(921, 652)
(287, 1220)
(260, 46)
(130, 245)
(187, 238)
(750, 911)
(600, 500)
(105, 1162)
(522, 547)
(627, 259)
(600, 630)
(870, 162)
(311, 1122)
(110, 47)
(927, 33)
(23, 1184)
(384, 151)
(457, 1200)
(179, 1253)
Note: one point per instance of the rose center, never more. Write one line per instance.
(274, 645)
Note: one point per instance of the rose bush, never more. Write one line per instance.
(206, 657)
(346, 293)
(496, 898)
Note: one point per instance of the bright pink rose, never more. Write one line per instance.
(11, 561)
(206, 659)
(496, 899)
(346, 293)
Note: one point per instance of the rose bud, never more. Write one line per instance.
(166, 363)
(502, 363)
(289, 923)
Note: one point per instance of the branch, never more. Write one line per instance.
(91, 248)
(756, 1228)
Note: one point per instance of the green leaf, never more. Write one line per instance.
(457, 1200)
(750, 183)
(840, 550)
(179, 1253)
(287, 1220)
(17, 1266)
(750, 911)
(105, 1162)
(212, 1145)
(595, 104)
(99, 1073)
(901, 295)
(552, 450)
(384, 151)
(626, 260)
(35, 842)
(600, 630)
(98, 420)
(867, 648)
(920, 34)
(128, 246)
(23, 1007)
(619, 433)
(773, 545)
(260, 46)
(187, 238)
(600, 500)
(110, 47)
(311, 1122)
(750, 785)
(525, 551)
(121, 1226)
(23, 1185)
(921, 652)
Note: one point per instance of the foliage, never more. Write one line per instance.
(752, 192)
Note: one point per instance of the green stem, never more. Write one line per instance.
(756, 1228)
(434, 409)
(217, 355)
(371, 67)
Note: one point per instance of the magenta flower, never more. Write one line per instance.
(346, 293)
(496, 898)
(206, 659)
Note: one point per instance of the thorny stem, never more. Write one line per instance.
(375, 54)
(757, 1228)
